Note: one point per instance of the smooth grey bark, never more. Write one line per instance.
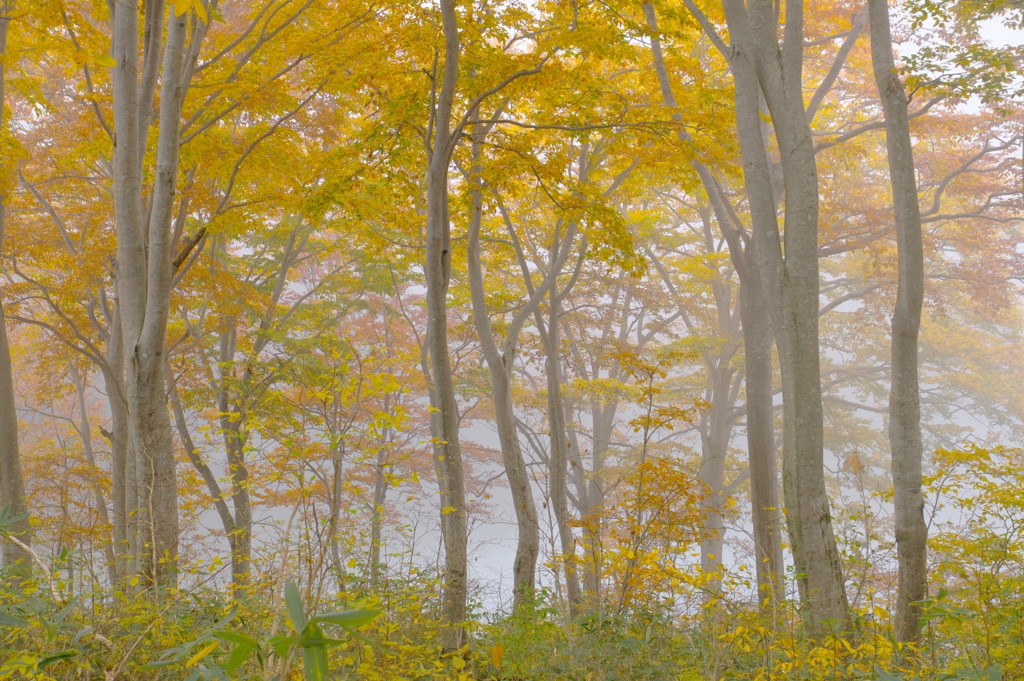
(760, 411)
(12, 484)
(500, 363)
(591, 494)
(380, 492)
(791, 284)
(602, 414)
(122, 469)
(905, 395)
(233, 425)
(337, 452)
(716, 431)
(445, 425)
(764, 495)
(145, 262)
(558, 490)
(143, 278)
(85, 432)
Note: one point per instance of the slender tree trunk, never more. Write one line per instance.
(557, 482)
(85, 432)
(380, 491)
(12, 485)
(715, 445)
(121, 460)
(213, 487)
(758, 360)
(791, 286)
(337, 452)
(764, 489)
(591, 499)
(500, 366)
(904, 396)
(438, 274)
(233, 429)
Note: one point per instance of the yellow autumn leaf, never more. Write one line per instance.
(181, 6)
(202, 653)
(106, 61)
(496, 652)
(447, 509)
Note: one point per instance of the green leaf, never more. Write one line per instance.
(239, 654)
(227, 618)
(346, 618)
(296, 611)
(56, 657)
(7, 620)
(314, 659)
(235, 637)
(321, 641)
(282, 644)
(79, 635)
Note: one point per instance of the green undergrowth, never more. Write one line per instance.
(390, 634)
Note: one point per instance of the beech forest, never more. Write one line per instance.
(511, 340)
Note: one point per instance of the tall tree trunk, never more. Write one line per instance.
(145, 260)
(337, 452)
(559, 456)
(12, 485)
(233, 428)
(121, 460)
(144, 280)
(380, 492)
(438, 275)
(758, 359)
(500, 363)
(904, 395)
(764, 488)
(715, 446)
(602, 414)
(791, 286)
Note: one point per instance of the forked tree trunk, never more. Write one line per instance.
(764, 495)
(558, 490)
(445, 425)
(791, 286)
(144, 264)
(904, 396)
(500, 363)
